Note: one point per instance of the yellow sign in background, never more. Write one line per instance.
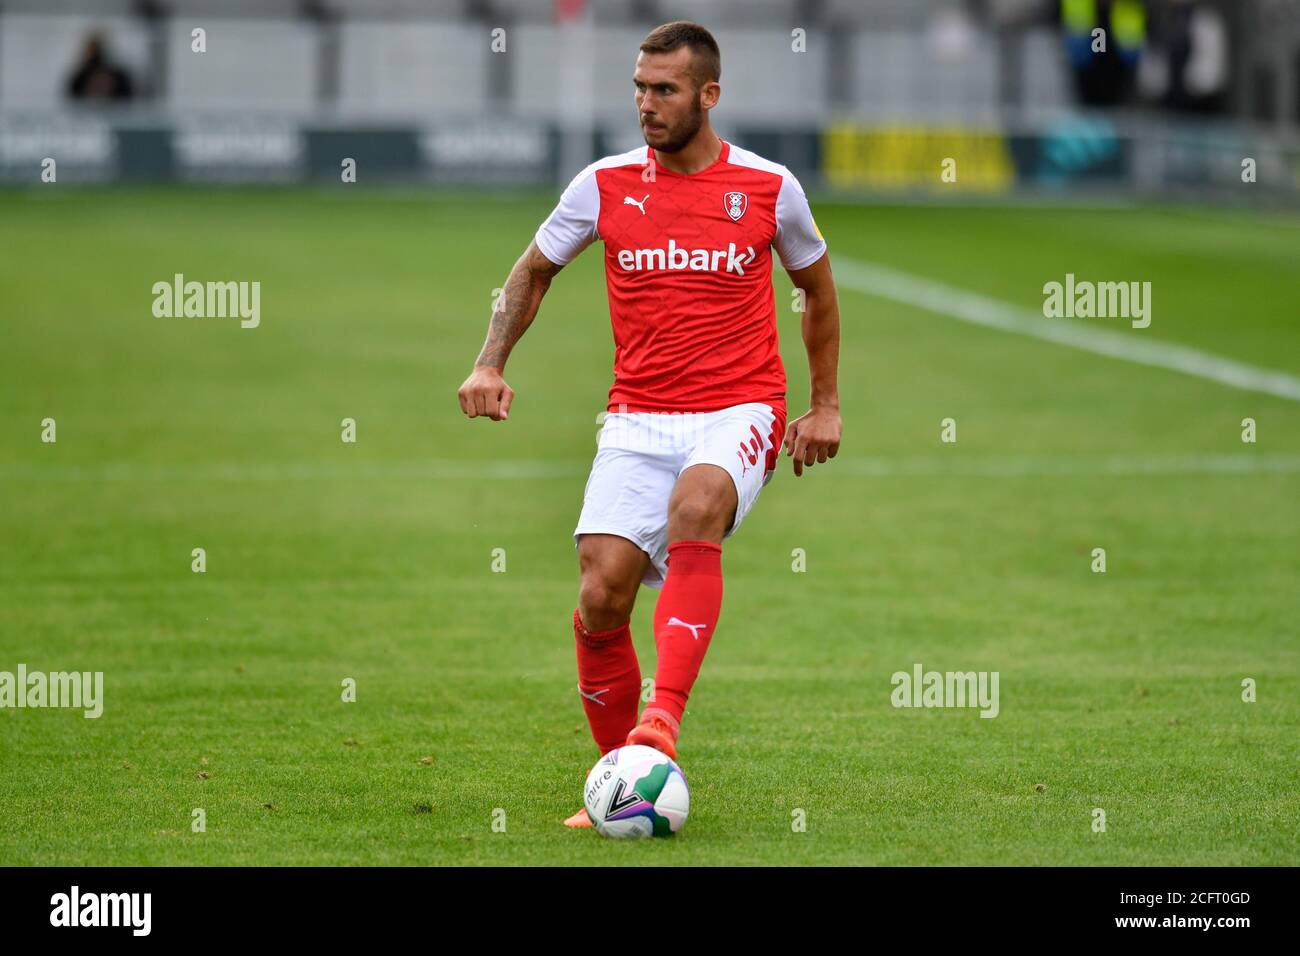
(913, 157)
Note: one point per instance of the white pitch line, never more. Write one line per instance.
(934, 296)
(1028, 466)
(954, 465)
(510, 469)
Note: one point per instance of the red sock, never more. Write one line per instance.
(609, 679)
(692, 595)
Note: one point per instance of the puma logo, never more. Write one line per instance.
(694, 628)
(594, 695)
(629, 201)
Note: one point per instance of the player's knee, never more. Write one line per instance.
(601, 604)
(698, 516)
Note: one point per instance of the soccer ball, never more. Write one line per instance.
(636, 792)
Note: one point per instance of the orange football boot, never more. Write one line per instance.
(579, 819)
(654, 731)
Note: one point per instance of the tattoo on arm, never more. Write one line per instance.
(517, 305)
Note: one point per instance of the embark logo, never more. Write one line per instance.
(38, 689)
(676, 258)
(208, 300)
(103, 909)
(1098, 300)
(923, 688)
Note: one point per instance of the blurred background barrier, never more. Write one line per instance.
(1038, 96)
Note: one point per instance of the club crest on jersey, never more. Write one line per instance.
(735, 204)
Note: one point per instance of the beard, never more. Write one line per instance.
(684, 132)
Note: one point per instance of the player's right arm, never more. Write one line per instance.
(485, 392)
(569, 229)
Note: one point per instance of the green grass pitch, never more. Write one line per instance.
(373, 561)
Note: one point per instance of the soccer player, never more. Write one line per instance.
(696, 414)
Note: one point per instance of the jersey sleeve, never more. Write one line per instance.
(798, 241)
(571, 226)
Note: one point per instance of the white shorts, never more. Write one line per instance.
(640, 455)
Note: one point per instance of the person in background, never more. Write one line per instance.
(1104, 77)
(1198, 51)
(96, 76)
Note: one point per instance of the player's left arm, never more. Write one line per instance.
(815, 436)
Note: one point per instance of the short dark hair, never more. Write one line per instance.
(706, 60)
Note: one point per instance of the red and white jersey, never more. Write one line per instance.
(688, 267)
